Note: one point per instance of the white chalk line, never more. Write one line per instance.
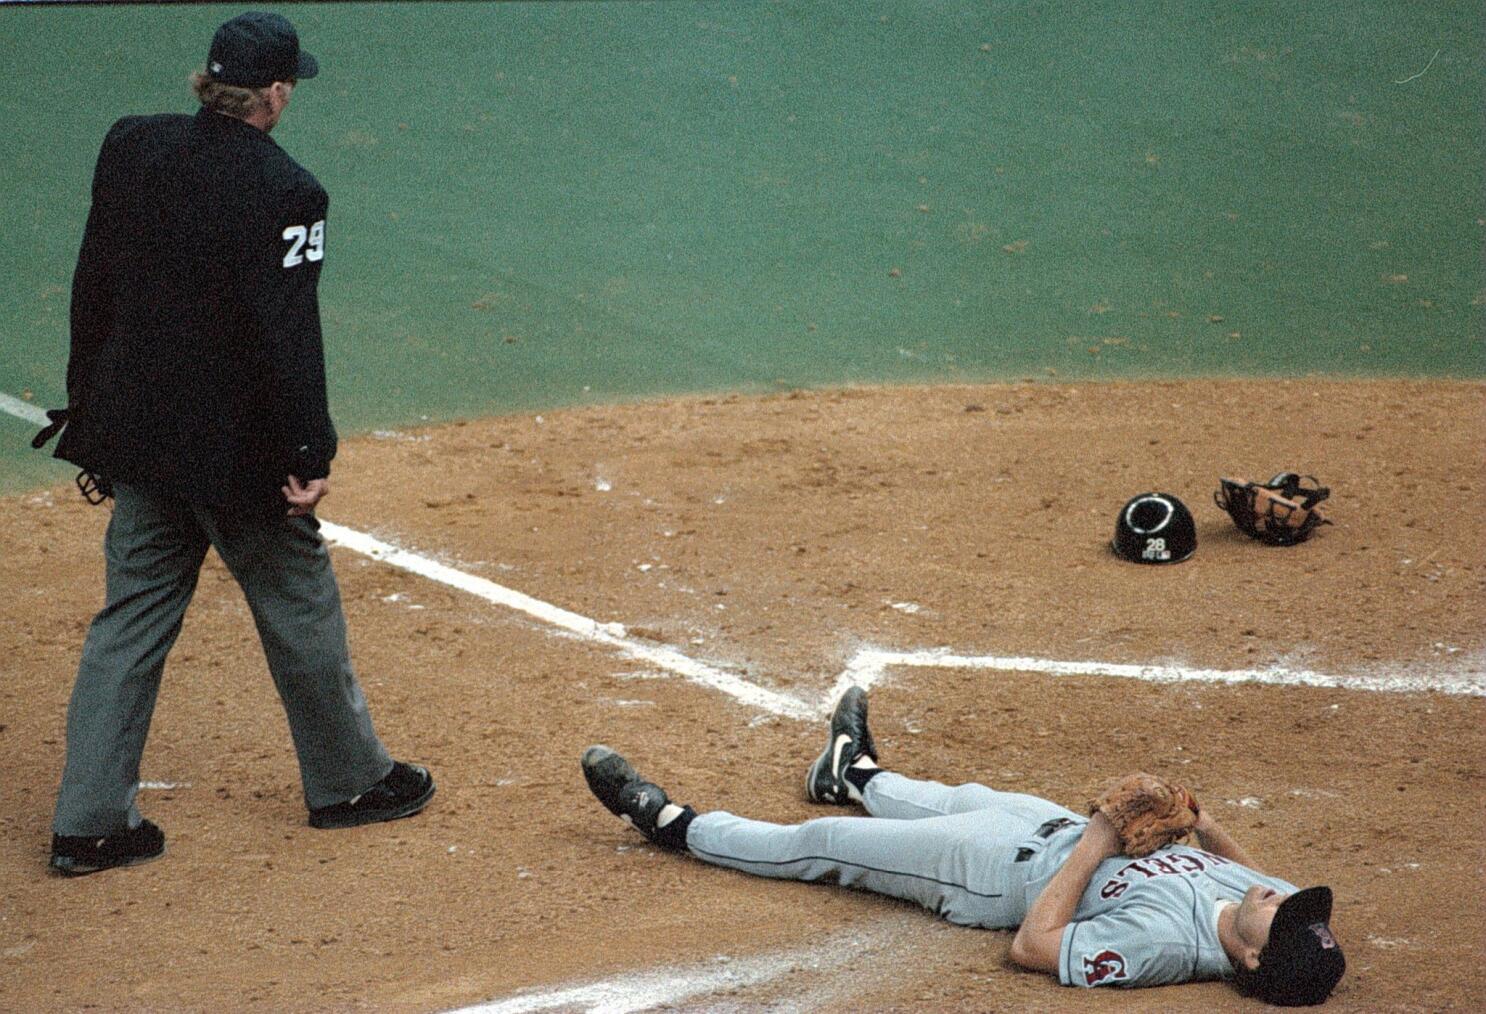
(23, 410)
(646, 990)
(869, 665)
(670, 985)
(612, 634)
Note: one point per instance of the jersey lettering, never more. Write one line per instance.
(1172, 864)
(304, 244)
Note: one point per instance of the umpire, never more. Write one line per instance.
(196, 399)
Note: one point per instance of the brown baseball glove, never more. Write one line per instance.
(1147, 811)
(1281, 512)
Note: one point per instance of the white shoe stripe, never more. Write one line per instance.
(836, 767)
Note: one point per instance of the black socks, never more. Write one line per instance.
(673, 834)
(859, 777)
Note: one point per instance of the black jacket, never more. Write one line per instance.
(197, 363)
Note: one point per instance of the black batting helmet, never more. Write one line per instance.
(1154, 528)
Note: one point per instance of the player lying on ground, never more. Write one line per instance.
(1003, 860)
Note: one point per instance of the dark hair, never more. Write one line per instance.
(1248, 980)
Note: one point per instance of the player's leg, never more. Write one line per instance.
(153, 552)
(962, 867)
(847, 771)
(285, 573)
(894, 796)
(642, 805)
(849, 745)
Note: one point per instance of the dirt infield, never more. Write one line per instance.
(775, 538)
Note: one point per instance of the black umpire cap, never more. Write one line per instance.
(256, 49)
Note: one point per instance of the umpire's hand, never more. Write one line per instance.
(303, 496)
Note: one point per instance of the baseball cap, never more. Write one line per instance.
(256, 49)
(1302, 962)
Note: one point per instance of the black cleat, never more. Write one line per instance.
(74, 855)
(622, 791)
(825, 782)
(406, 790)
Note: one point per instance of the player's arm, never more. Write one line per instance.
(1038, 942)
(1215, 838)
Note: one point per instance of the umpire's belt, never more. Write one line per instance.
(1044, 832)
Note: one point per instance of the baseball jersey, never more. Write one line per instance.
(1150, 921)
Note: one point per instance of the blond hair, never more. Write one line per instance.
(231, 100)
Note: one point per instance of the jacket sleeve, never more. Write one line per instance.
(286, 304)
(93, 280)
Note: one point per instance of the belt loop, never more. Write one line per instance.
(1056, 824)
(1045, 831)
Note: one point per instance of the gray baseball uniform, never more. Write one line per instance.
(979, 857)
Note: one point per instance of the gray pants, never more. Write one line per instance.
(967, 853)
(154, 549)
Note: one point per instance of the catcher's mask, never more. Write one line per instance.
(1154, 528)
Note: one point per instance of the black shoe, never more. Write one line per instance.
(825, 781)
(623, 792)
(76, 854)
(406, 790)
